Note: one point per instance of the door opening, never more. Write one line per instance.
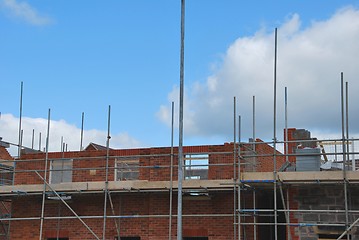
(267, 232)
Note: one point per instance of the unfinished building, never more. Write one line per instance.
(103, 193)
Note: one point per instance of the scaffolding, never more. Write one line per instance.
(261, 176)
(291, 178)
(262, 199)
(206, 173)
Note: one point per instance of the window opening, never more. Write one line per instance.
(127, 169)
(61, 171)
(6, 174)
(196, 166)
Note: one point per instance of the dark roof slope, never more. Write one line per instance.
(96, 147)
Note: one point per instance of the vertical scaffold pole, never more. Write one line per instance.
(254, 215)
(289, 235)
(254, 153)
(286, 124)
(254, 123)
(180, 145)
(32, 138)
(235, 209)
(20, 122)
(45, 175)
(20, 130)
(239, 179)
(39, 141)
(82, 130)
(344, 154)
(275, 140)
(347, 122)
(106, 177)
(171, 175)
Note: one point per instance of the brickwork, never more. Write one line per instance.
(293, 204)
(320, 200)
(4, 154)
(128, 206)
(145, 214)
(140, 214)
(264, 160)
(154, 163)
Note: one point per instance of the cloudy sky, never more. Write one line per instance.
(86, 55)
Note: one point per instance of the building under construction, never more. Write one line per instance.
(238, 190)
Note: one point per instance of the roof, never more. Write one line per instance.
(94, 146)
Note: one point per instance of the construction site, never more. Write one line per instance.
(238, 190)
(298, 188)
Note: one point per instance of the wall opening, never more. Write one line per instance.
(61, 171)
(127, 169)
(266, 201)
(196, 166)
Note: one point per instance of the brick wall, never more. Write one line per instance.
(4, 154)
(155, 166)
(319, 200)
(264, 157)
(154, 163)
(128, 206)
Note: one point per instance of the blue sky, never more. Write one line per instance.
(82, 56)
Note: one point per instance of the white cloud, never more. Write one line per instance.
(25, 12)
(165, 113)
(71, 135)
(309, 63)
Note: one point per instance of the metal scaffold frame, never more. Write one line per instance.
(244, 184)
(238, 212)
(345, 141)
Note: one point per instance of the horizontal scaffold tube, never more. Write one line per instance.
(119, 216)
